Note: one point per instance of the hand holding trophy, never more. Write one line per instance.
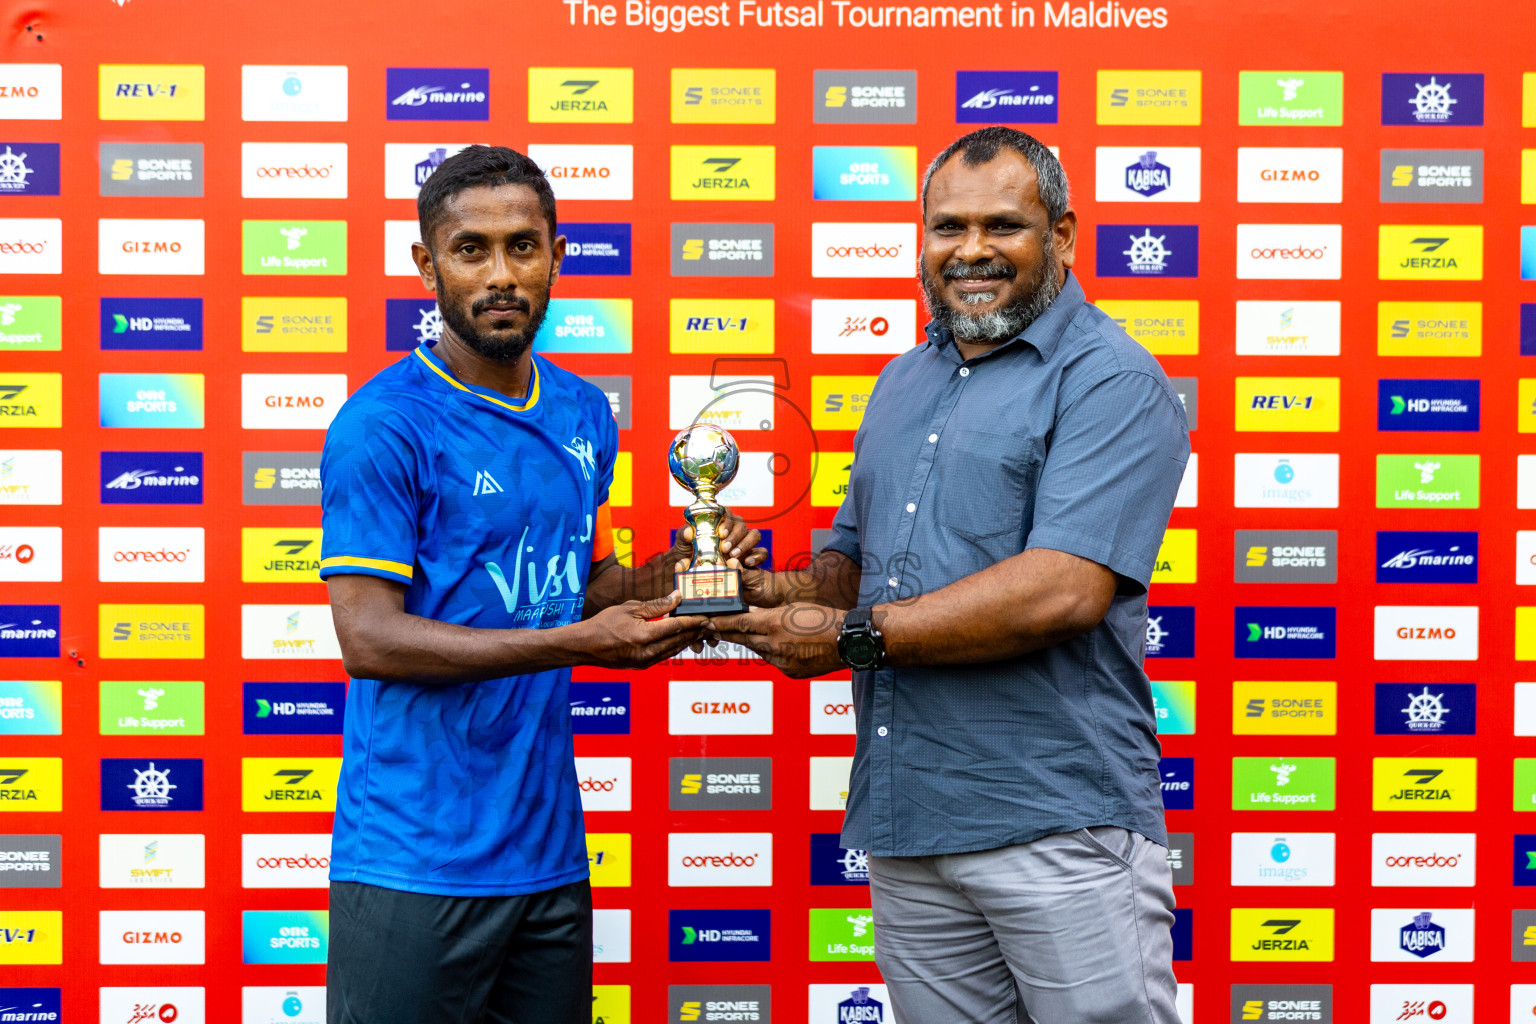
(703, 459)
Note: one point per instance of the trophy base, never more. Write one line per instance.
(709, 592)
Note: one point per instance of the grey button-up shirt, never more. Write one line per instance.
(1066, 437)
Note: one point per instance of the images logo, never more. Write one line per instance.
(1290, 97)
(152, 400)
(1424, 784)
(1284, 632)
(1141, 250)
(1431, 99)
(1164, 327)
(723, 95)
(1177, 777)
(285, 936)
(161, 325)
(865, 97)
(864, 172)
(1285, 556)
(292, 1004)
(596, 250)
(1429, 328)
(722, 250)
(718, 935)
(289, 783)
(722, 325)
(1307, 404)
(309, 247)
(301, 324)
(1427, 481)
(720, 783)
(863, 250)
(1287, 934)
(1431, 175)
(32, 92)
(293, 709)
(280, 478)
(151, 92)
(722, 172)
(1148, 97)
(289, 92)
(587, 172)
(159, 784)
(1265, 480)
(581, 95)
(600, 708)
(1130, 174)
(29, 631)
(151, 168)
(1416, 709)
(1429, 252)
(438, 94)
(1292, 859)
(588, 325)
(1006, 97)
(1290, 175)
(293, 170)
(1284, 709)
(1170, 631)
(29, 169)
(1428, 404)
(1289, 252)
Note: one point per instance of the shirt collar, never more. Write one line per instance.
(1043, 335)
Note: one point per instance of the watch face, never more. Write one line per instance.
(861, 649)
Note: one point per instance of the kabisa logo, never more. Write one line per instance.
(1422, 937)
(1147, 177)
(1287, 632)
(438, 94)
(834, 864)
(411, 322)
(722, 250)
(1422, 556)
(29, 169)
(280, 478)
(408, 165)
(865, 97)
(723, 172)
(860, 1006)
(596, 250)
(1288, 1003)
(1431, 99)
(31, 1004)
(581, 95)
(1177, 775)
(1134, 174)
(157, 784)
(1006, 97)
(1428, 404)
(1170, 631)
(1418, 709)
(293, 709)
(600, 708)
(718, 935)
(289, 92)
(1432, 175)
(29, 631)
(162, 325)
(1142, 250)
(289, 783)
(151, 168)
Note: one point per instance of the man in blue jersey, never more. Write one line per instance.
(467, 546)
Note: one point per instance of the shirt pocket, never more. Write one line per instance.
(987, 482)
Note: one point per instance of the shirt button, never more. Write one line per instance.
(911, 506)
(893, 581)
(965, 371)
(932, 438)
(882, 731)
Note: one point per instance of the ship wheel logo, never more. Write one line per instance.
(13, 168)
(1147, 253)
(1433, 103)
(430, 327)
(151, 787)
(1424, 710)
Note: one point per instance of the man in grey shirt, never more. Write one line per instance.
(987, 583)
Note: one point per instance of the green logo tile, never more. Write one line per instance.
(293, 246)
(31, 323)
(1282, 783)
(151, 709)
(847, 934)
(1427, 481)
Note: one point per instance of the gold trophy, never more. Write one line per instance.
(703, 459)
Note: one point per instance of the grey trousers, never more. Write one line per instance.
(1069, 929)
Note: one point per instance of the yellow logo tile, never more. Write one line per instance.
(1525, 634)
(581, 95)
(1527, 405)
(1429, 252)
(1176, 558)
(150, 631)
(151, 92)
(1284, 934)
(608, 858)
(723, 95)
(721, 325)
(31, 784)
(289, 783)
(1149, 97)
(1528, 100)
(1429, 328)
(829, 478)
(1424, 784)
(31, 400)
(1288, 403)
(31, 937)
(283, 554)
(837, 403)
(1284, 709)
(1528, 175)
(298, 324)
(610, 1004)
(621, 493)
(1164, 327)
(722, 172)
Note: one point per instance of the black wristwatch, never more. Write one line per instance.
(860, 645)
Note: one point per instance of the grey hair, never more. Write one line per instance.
(981, 146)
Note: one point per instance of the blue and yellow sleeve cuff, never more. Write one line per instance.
(338, 565)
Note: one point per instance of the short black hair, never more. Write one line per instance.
(983, 145)
(476, 167)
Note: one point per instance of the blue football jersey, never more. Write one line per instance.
(488, 511)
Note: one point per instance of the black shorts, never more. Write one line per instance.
(409, 958)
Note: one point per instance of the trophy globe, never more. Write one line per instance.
(703, 459)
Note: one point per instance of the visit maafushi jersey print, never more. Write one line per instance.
(489, 511)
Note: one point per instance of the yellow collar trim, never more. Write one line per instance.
(533, 390)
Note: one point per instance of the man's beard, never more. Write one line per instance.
(995, 325)
(503, 346)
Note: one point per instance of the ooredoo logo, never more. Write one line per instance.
(863, 250)
(604, 783)
(711, 707)
(32, 245)
(150, 554)
(285, 861)
(293, 170)
(1294, 252)
(832, 710)
(719, 858)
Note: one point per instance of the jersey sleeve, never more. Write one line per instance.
(370, 495)
(607, 453)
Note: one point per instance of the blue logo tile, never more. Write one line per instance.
(833, 864)
(1283, 632)
(1005, 97)
(1170, 631)
(152, 325)
(1177, 775)
(438, 94)
(411, 322)
(596, 250)
(695, 936)
(1525, 859)
(1426, 556)
(151, 784)
(29, 631)
(294, 709)
(600, 709)
(1183, 933)
(29, 169)
(151, 478)
(1147, 250)
(1419, 709)
(1428, 404)
(1431, 98)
